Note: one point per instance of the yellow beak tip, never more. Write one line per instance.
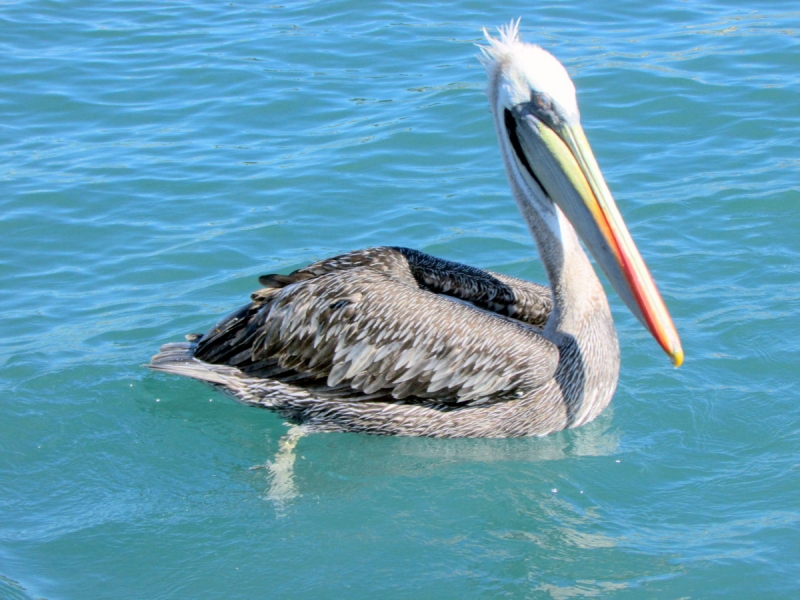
(677, 357)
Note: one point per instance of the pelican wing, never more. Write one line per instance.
(369, 325)
(523, 300)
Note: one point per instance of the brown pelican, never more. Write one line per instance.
(394, 341)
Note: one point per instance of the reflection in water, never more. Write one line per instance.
(597, 438)
(282, 487)
(586, 588)
(398, 455)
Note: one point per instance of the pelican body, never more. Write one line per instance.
(394, 341)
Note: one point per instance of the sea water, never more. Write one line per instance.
(158, 156)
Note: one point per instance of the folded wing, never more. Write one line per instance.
(385, 323)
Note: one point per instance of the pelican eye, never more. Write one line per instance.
(542, 107)
(542, 101)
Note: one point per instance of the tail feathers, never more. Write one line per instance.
(178, 358)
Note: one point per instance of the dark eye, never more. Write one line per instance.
(543, 108)
(542, 101)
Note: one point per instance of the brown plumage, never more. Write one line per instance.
(393, 341)
(324, 346)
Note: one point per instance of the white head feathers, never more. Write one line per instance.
(517, 69)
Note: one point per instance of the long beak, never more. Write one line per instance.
(563, 163)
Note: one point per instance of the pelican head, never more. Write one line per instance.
(553, 172)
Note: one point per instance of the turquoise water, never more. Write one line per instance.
(158, 157)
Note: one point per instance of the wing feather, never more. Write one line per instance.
(364, 325)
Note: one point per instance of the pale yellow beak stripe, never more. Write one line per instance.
(572, 151)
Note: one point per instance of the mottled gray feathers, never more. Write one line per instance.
(385, 340)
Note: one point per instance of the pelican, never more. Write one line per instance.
(397, 342)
